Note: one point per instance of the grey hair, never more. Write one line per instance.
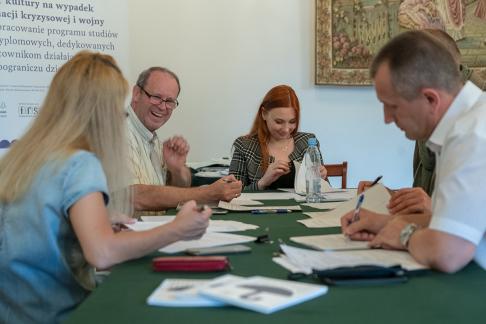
(418, 60)
(143, 77)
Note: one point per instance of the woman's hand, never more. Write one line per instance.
(274, 171)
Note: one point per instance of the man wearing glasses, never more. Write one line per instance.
(161, 177)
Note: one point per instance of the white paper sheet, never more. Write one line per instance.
(236, 207)
(181, 293)
(321, 219)
(221, 226)
(333, 196)
(324, 205)
(209, 239)
(263, 195)
(263, 294)
(245, 201)
(330, 242)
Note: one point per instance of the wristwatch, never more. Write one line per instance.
(406, 233)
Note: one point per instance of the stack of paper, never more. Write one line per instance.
(261, 294)
(304, 260)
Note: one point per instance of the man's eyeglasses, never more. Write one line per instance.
(156, 100)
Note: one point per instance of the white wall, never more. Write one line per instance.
(228, 53)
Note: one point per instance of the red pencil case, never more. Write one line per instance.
(191, 263)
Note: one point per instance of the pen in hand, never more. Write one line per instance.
(376, 181)
(356, 210)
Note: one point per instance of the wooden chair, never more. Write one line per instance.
(338, 170)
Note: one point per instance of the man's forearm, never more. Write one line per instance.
(180, 178)
(422, 219)
(441, 251)
(153, 198)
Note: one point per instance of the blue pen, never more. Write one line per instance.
(358, 206)
(271, 211)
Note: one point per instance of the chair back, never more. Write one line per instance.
(338, 170)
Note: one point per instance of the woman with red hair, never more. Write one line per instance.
(263, 159)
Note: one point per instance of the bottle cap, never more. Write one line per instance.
(312, 141)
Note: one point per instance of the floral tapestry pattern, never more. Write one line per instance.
(350, 32)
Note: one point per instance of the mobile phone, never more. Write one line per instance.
(225, 249)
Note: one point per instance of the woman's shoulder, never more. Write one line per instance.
(302, 136)
(246, 141)
(83, 160)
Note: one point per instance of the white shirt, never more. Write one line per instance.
(459, 143)
(145, 153)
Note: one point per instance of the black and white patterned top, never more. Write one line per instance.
(246, 161)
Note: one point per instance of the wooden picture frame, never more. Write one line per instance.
(350, 32)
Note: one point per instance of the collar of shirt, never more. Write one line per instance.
(466, 98)
(139, 127)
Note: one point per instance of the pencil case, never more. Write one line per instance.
(191, 263)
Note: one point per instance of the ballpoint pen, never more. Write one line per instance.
(271, 211)
(358, 206)
(376, 181)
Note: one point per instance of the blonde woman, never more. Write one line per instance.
(55, 186)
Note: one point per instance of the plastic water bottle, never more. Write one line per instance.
(312, 173)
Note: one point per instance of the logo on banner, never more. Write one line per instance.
(3, 109)
(28, 109)
(4, 144)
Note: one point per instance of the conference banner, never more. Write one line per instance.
(37, 37)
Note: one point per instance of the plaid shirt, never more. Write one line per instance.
(246, 161)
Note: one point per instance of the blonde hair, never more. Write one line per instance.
(83, 110)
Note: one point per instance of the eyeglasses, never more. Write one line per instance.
(156, 100)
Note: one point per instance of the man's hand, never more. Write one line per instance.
(363, 185)
(175, 152)
(191, 223)
(365, 229)
(224, 189)
(274, 171)
(409, 201)
(389, 236)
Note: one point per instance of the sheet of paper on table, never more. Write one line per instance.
(236, 207)
(330, 242)
(215, 225)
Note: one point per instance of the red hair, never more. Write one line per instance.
(278, 97)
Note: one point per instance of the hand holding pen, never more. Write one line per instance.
(364, 185)
(358, 207)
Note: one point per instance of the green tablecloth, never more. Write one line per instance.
(429, 298)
